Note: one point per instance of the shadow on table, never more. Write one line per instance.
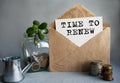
(87, 74)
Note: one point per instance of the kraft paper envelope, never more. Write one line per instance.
(65, 56)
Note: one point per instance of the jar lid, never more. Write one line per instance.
(107, 66)
(95, 62)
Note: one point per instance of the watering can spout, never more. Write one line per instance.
(32, 60)
(26, 68)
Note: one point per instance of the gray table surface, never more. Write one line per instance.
(68, 77)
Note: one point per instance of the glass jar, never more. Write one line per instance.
(41, 51)
(95, 67)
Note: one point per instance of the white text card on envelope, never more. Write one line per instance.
(79, 30)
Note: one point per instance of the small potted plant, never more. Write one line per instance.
(35, 44)
(37, 31)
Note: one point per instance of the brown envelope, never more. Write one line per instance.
(66, 56)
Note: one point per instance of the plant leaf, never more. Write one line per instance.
(43, 25)
(35, 22)
(45, 31)
(30, 32)
(35, 27)
(40, 35)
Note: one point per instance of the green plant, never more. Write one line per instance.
(37, 31)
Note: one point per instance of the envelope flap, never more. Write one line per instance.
(76, 12)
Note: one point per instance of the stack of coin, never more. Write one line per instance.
(44, 60)
(107, 72)
(43, 63)
(95, 67)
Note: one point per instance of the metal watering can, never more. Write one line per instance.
(12, 71)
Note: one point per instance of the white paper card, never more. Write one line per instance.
(79, 30)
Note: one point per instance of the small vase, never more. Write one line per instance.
(41, 51)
